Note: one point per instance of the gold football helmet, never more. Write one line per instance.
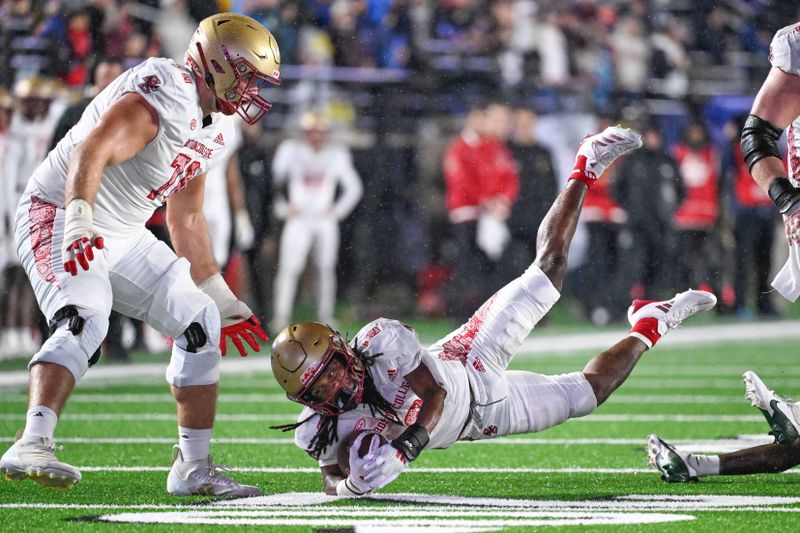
(301, 353)
(239, 60)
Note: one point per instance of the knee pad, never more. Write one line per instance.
(195, 354)
(75, 337)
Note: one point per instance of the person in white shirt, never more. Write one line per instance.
(310, 170)
(152, 134)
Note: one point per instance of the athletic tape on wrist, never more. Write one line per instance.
(411, 442)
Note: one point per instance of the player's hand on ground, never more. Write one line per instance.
(384, 466)
(358, 465)
(239, 323)
(80, 237)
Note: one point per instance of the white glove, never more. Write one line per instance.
(355, 484)
(79, 236)
(492, 235)
(237, 320)
(245, 234)
(387, 463)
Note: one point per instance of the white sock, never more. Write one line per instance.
(704, 465)
(41, 422)
(194, 443)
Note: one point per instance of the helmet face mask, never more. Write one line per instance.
(303, 353)
(239, 61)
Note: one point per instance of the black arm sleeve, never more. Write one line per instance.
(759, 140)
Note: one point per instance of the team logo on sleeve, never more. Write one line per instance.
(392, 374)
(371, 334)
(413, 412)
(150, 84)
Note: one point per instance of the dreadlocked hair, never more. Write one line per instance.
(327, 432)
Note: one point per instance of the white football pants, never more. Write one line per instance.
(300, 234)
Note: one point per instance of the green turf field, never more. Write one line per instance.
(591, 471)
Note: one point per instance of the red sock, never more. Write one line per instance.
(646, 330)
(579, 172)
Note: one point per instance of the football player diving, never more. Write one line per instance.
(386, 382)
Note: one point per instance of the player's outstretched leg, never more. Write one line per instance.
(677, 465)
(649, 320)
(596, 153)
(783, 417)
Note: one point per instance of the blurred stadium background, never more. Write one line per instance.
(396, 79)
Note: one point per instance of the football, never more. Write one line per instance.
(344, 449)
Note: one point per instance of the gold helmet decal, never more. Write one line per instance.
(239, 60)
(300, 354)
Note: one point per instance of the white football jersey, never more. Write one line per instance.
(397, 352)
(784, 53)
(130, 191)
(311, 177)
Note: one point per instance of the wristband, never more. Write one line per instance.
(218, 290)
(345, 488)
(411, 442)
(784, 194)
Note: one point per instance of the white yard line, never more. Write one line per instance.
(536, 346)
(695, 445)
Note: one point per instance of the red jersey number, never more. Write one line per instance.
(185, 170)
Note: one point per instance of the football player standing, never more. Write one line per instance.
(459, 388)
(152, 134)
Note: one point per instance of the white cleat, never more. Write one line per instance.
(204, 478)
(783, 417)
(670, 313)
(671, 463)
(34, 457)
(597, 152)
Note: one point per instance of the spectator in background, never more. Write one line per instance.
(696, 217)
(538, 187)
(7, 251)
(79, 43)
(631, 56)
(754, 231)
(254, 165)
(306, 173)
(482, 185)
(29, 135)
(670, 62)
(649, 187)
(604, 220)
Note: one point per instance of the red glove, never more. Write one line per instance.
(79, 236)
(244, 329)
(238, 321)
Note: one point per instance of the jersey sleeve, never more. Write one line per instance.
(391, 345)
(157, 82)
(784, 51)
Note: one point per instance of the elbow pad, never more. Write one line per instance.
(759, 140)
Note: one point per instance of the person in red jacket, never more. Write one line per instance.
(481, 185)
(696, 217)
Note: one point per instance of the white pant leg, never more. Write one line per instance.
(39, 238)
(488, 341)
(787, 281)
(296, 241)
(154, 285)
(534, 403)
(326, 252)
